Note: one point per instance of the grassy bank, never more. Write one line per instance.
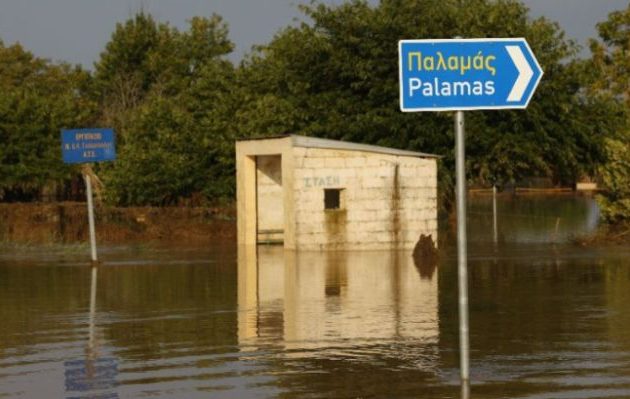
(67, 223)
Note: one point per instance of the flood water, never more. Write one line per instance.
(548, 319)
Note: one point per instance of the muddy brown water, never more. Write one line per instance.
(548, 320)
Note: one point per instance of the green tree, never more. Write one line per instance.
(37, 99)
(615, 176)
(166, 93)
(139, 57)
(337, 77)
(609, 69)
(156, 165)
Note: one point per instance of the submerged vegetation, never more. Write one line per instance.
(177, 103)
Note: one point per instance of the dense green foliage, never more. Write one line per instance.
(610, 66)
(337, 78)
(164, 91)
(37, 99)
(177, 104)
(615, 175)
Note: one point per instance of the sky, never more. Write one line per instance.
(76, 31)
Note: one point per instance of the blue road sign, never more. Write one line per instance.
(88, 145)
(466, 74)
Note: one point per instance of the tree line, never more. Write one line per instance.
(177, 103)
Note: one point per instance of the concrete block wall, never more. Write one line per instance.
(389, 200)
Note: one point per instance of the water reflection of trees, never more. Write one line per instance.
(523, 298)
(531, 218)
(161, 308)
(34, 301)
(143, 305)
(538, 315)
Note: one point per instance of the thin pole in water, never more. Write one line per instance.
(91, 341)
(462, 261)
(494, 214)
(465, 390)
(88, 186)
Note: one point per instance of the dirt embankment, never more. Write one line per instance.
(617, 234)
(67, 223)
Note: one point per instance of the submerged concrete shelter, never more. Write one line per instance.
(317, 194)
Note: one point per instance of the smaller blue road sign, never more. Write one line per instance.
(466, 74)
(88, 145)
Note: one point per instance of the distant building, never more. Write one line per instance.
(585, 186)
(317, 194)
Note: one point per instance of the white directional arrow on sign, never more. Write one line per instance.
(525, 73)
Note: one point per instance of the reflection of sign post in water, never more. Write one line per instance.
(95, 374)
(458, 75)
(83, 146)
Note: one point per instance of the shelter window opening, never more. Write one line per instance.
(334, 198)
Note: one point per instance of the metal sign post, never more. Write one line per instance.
(83, 146)
(495, 231)
(458, 75)
(90, 204)
(462, 242)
